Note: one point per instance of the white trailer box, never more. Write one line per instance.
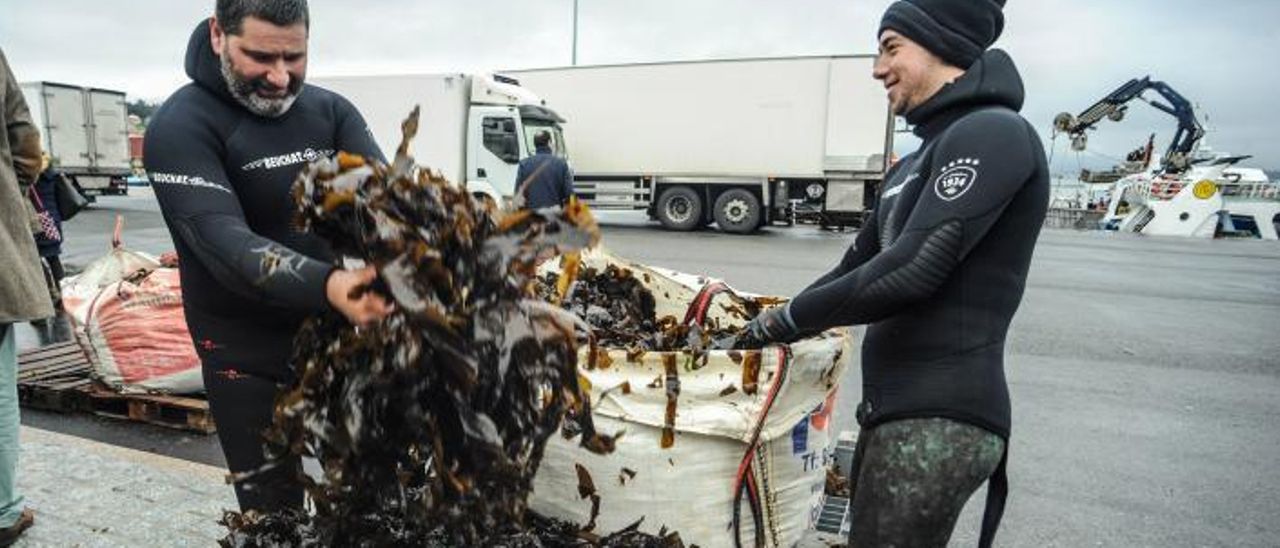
(85, 131)
(777, 129)
(109, 130)
(385, 101)
(474, 129)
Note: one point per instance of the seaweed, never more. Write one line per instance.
(621, 311)
(428, 426)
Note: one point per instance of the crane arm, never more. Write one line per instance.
(1115, 104)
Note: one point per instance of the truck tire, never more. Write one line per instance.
(680, 208)
(738, 211)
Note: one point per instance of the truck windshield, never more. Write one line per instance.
(533, 127)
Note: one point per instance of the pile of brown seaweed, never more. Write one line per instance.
(430, 425)
(621, 312)
(617, 306)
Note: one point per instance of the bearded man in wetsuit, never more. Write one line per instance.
(222, 154)
(937, 272)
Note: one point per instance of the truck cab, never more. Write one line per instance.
(503, 120)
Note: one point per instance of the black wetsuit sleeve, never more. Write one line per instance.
(202, 209)
(353, 135)
(993, 152)
(865, 246)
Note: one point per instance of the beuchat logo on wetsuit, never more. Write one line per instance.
(957, 177)
(285, 160)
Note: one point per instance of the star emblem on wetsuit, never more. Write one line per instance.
(956, 178)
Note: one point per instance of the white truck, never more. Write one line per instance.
(741, 143)
(475, 129)
(86, 133)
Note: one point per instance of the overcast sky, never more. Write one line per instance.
(1220, 55)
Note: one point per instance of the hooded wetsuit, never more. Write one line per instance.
(223, 176)
(940, 268)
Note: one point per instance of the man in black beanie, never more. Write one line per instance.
(937, 273)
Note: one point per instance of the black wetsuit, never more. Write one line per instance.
(939, 270)
(222, 176)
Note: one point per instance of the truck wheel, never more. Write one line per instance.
(738, 211)
(680, 208)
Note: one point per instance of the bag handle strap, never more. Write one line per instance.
(745, 482)
(35, 199)
(697, 311)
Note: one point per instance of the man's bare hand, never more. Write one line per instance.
(348, 292)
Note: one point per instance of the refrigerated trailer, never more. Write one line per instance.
(741, 143)
(86, 133)
(474, 129)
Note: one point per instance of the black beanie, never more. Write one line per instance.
(958, 31)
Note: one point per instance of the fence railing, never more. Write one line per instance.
(1070, 217)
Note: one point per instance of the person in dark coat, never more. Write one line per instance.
(50, 248)
(544, 179)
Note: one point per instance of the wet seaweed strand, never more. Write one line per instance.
(672, 384)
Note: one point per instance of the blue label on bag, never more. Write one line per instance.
(800, 437)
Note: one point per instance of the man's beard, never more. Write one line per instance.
(244, 90)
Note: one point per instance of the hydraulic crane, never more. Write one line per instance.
(1114, 105)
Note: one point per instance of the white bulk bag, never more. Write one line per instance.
(690, 486)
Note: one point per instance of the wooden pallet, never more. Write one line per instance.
(58, 377)
(55, 377)
(172, 411)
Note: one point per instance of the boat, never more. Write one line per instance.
(1193, 191)
(1213, 198)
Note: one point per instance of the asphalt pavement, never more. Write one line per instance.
(1145, 374)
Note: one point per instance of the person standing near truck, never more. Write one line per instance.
(222, 154)
(49, 241)
(544, 179)
(937, 273)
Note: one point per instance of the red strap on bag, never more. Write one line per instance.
(746, 483)
(697, 312)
